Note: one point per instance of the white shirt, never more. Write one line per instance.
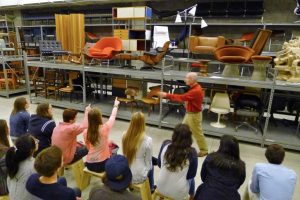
(143, 161)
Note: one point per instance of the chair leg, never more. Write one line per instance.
(86, 179)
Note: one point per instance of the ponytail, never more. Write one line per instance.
(25, 146)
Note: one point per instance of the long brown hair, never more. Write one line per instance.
(19, 105)
(133, 137)
(4, 133)
(42, 110)
(180, 148)
(95, 120)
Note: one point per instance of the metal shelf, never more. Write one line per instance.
(106, 103)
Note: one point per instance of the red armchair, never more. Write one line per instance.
(105, 49)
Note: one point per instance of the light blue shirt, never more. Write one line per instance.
(273, 182)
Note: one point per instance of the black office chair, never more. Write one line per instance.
(249, 106)
(174, 106)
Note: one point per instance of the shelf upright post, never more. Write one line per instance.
(83, 85)
(27, 75)
(269, 108)
(162, 90)
(41, 29)
(5, 75)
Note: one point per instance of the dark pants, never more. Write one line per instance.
(96, 167)
(79, 153)
(62, 180)
(192, 186)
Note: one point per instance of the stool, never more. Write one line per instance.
(260, 64)
(160, 196)
(144, 189)
(87, 177)
(6, 197)
(203, 67)
(77, 169)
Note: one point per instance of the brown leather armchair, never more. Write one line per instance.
(233, 56)
(205, 45)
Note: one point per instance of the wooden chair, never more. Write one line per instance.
(53, 82)
(144, 189)
(131, 93)
(151, 100)
(157, 195)
(87, 174)
(11, 78)
(77, 170)
(69, 88)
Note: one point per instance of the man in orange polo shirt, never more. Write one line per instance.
(193, 116)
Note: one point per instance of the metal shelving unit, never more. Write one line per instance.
(168, 75)
(7, 92)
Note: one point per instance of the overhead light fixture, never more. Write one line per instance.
(178, 18)
(203, 23)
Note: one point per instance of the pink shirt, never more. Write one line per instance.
(65, 137)
(100, 152)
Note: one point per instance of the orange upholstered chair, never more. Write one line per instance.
(233, 56)
(205, 45)
(106, 48)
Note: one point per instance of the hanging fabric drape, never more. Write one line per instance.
(70, 32)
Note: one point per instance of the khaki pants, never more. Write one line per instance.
(194, 121)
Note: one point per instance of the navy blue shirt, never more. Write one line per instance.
(52, 191)
(41, 128)
(18, 123)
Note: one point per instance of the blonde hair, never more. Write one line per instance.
(133, 137)
(94, 121)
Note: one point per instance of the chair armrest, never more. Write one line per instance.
(221, 41)
(193, 42)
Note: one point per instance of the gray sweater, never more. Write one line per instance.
(16, 186)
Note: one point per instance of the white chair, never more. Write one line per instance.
(220, 105)
(160, 36)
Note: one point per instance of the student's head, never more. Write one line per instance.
(229, 146)
(26, 145)
(178, 151)
(69, 115)
(95, 120)
(4, 133)
(190, 78)
(132, 139)
(20, 104)
(118, 175)
(44, 110)
(48, 161)
(275, 154)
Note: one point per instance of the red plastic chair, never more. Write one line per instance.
(106, 48)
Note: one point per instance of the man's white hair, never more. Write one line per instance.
(193, 76)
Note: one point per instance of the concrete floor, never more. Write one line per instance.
(250, 153)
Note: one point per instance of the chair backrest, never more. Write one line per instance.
(221, 100)
(113, 42)
(162, 54)
(247, 101)
(72, 75)
(131, 92)
(233, 50)
(160, 36)
(2, 43)
(49, 45)
(259, 40)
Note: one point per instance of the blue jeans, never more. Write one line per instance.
(79, 153)
(192, 186)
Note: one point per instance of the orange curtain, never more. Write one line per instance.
(70, 31)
